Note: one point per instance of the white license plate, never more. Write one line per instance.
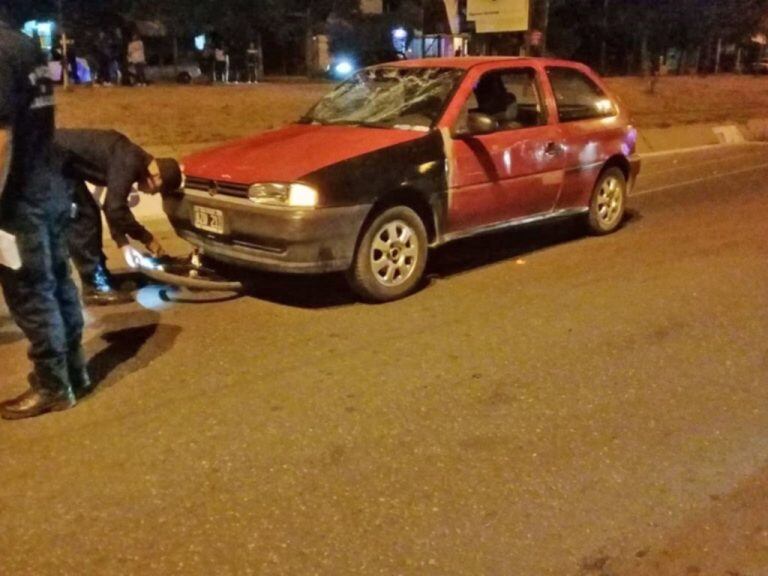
(209, 219)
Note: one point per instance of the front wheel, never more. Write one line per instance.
(391, 256)
(608, 202)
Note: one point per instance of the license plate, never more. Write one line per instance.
(209, 219)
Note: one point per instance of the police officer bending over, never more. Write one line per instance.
(35, 208)
(108, 158)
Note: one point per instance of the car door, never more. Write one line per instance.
(592, 129)
(514, 172)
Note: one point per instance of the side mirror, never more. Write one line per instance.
(478, 124)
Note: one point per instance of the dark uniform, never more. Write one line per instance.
(105, 158)
(35, 207)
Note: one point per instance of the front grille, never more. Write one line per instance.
(214, 187)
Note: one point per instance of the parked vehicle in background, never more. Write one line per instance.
(761, 66)
(164, 71)
(407, 156)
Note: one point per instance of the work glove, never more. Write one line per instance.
(133, 257)
(155, 248)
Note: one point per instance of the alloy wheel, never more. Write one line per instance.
(394, 253)
(610, 201)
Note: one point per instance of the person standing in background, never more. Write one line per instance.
(207, 65)
(253, 60)
(137, 59)
(74, 73)
(220, 56)
(119, 51)
(104, 59)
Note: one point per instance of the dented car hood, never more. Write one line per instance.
(291, 153)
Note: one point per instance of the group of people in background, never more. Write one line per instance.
(113, 59)
(219, 64)
(118, 58)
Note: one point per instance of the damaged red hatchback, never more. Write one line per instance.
(407, 156)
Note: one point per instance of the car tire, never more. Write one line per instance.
(391, 256)
(608, 202)
(184, 78)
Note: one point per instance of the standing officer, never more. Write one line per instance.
(108, 158)
(34, 208)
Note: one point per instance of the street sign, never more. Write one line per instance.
(372, 6)
(499, 15)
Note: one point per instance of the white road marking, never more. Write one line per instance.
(648, 173)
(699, 149)
(755, 168)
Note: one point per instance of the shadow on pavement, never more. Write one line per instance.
(331, 290)
(121, 350)
(310, 291)
(488, 249)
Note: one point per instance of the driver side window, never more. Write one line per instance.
(511, 97)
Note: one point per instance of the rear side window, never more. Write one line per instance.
(578, 97)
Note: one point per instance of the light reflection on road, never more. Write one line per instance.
(154, 297)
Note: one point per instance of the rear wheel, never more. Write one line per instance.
(391, 256)
(608, 203)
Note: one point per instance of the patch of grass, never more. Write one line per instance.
(693, 99)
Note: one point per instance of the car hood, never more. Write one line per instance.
(291, 153)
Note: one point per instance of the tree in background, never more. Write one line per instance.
(617, 36)
(624, 36)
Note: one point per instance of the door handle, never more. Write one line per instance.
(553, 149)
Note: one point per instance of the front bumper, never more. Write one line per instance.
(271, 238)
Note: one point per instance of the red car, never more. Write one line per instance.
(407, 156)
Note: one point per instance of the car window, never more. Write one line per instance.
(511, 97)
(577, 96)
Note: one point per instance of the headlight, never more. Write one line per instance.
(293, 195)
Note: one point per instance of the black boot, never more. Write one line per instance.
(78, 373)
(50, 391)
(98, 290)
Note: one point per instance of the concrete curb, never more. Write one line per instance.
(692, 136)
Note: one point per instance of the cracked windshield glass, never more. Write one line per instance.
(406, 98)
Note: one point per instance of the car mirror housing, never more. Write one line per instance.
(478, 124)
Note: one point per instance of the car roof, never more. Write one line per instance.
(467, 62)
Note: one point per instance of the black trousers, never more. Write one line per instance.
(41, 296)
(220, 71)
(85, 234)
(252, 73)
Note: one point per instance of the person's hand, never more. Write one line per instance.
(155, 248)
(132, 256)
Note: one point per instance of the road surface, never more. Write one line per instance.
(549, 404)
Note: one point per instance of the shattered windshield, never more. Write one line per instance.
(408, 98)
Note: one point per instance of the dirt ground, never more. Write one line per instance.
(186, 118)
(694, 99)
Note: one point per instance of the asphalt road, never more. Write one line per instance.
(549, 404)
